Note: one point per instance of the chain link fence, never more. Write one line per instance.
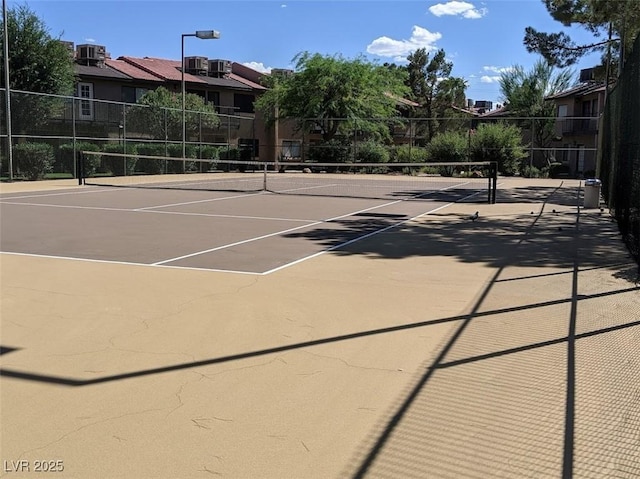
(529, 147)
(620, 153)
(64, 125)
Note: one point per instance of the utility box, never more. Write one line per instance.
(592, 193)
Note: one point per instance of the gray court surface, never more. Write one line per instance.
(243, 232)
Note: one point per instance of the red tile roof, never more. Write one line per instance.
(247, 82)
(131, 70)
(164, 69)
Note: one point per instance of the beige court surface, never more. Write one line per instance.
(507, 347)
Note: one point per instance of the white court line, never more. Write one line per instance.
(368, 235)
(178, 213)
(45, 205)
(199, 201)
(257, 238)
(307, 188)
(127, 263)
(103, 190)
(241, 217)
(163, 265)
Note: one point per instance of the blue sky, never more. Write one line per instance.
(481, 38)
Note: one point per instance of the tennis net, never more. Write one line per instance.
(360, 180)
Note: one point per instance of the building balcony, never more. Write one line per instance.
(578, 126)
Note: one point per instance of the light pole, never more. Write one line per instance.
(203, 35)
(7, 88)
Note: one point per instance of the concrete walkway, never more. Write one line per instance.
(505, 347)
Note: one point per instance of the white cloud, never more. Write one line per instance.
(467, 10)
(258, 66)
(490, 79)
(90, 40)
(493, 69)
(399, 49)
(283, 5)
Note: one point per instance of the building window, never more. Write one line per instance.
(213, 97)
(243, 103)
(291, 149)
(132, 94)
(249, 148)
(562, 110)
(85, 92)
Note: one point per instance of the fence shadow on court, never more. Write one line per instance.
(524, 393)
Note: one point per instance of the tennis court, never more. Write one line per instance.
(221, 222)
(393, 338)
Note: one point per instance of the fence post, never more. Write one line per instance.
(124, 136)
(533, 143)
(76, 173)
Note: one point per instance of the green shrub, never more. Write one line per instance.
(116, 165)
(150, 166)
(501, 143)
(371, 152)
(558, 170)
(209, 152)
(66, 159)
(229, 153)
(174, 150)
(447, 147)
(332, 151)
(533, 172)
(407, 154)
(33, 160)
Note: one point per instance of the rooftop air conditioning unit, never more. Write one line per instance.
(484, 104)
(90, 52)
(219, 68)
(587, 75)
(283, 72)
(196, 65)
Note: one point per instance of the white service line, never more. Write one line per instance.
(307, 188)
(368, 235)
(241, 217)
(199, 201)
(231, 245)
(178, 213)
(257, 238)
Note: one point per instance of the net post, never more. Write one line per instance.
(494, 182)
(80, 167)
(264, 177)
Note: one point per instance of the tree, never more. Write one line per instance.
(160, 114)
(38, 63)
(450, 93)
(525, 93)
(326, 90)
(618, 20)
(432, 87)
